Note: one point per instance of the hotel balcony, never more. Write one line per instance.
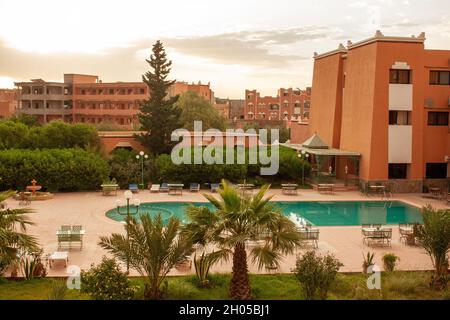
(102, 112)
(48, 111)
(54, 96)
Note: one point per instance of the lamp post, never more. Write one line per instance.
(303, 155)
(346, 173)
(142, 156)
(128, 196)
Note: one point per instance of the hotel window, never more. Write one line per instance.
(400, 118)
(142, 91)
(285, 94)
(111, 91)
(400, 76)
(437, 118)
(440, 77)
(398, 170)
(436, 171)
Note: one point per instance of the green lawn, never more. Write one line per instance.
(398, 285)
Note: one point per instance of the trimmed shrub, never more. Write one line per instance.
(54, 169)
(316, 273)
(390, 261)
(55, 135)
(290, 170)
(107, 282)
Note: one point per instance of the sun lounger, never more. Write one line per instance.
(164, 187)
(215, 187)
(194, 187)
(155, 188)
(133, 188)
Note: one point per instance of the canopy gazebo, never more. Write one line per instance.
(328, 164)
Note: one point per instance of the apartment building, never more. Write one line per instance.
(388, 100)
(289, 104)
(86, 99)
(8, 102)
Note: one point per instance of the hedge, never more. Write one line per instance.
(290, 170)
(56, 134)
(54, 169)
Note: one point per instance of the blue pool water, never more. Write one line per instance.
(337, 213)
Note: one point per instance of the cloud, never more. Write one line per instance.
(269, 48)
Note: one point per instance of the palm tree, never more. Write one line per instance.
(236, 220)
(13, 240)
(152, 249)
(434, 237)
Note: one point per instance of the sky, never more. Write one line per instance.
(233, 44)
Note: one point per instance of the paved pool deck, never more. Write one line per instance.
(88, 209)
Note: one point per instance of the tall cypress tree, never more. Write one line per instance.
(158, 115)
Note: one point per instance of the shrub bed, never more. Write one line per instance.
(54, 169)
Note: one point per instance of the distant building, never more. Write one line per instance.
(8, 102)
(388, 100)
(289, 104)
(223, 109)
(86, 99)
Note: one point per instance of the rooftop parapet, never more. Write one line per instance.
(379, 36)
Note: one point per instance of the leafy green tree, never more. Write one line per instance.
(26, 119)
(195, 108)
(158, 115)
(434, 237)
(152, 249)
(13, 239)
(236, 220)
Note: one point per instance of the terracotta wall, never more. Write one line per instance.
(299, 132)
(325, 99)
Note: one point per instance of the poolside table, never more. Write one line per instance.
(175, 188)
(435, 192)
(377, 234)
(246, 187)
(290, 189)
(59, 256)
(325, 188)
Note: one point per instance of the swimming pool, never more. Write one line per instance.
(319, 213)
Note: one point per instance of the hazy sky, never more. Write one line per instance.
(253, 44)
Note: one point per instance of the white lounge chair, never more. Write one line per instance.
(155, 188)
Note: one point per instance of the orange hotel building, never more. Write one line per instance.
(86, 99)
(388, 99)
(8, 102)
(289, 104)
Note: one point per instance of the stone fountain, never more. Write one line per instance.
(33, 188)
(33, 193)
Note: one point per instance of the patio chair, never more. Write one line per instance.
(155, 188)
(64, 237)
(376, 225)
(194, 187)
(65, 228)
(77, 228)
(133, 187)
(215, 187)
(164, 187)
